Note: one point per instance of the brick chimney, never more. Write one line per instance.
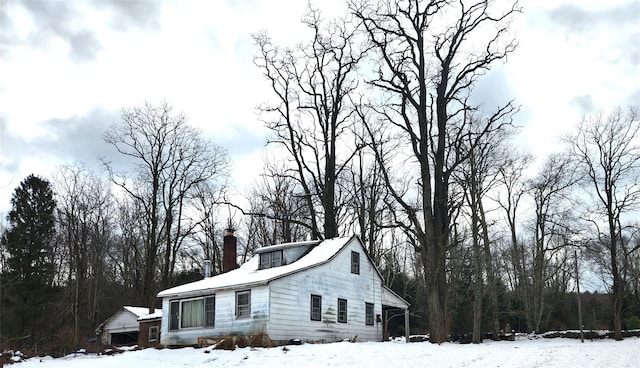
(229, 251)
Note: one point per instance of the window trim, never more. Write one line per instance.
(369, 309)
(278, 262)
(153, 337)
(267, 259)
(213, 320)
(174, 316)
(248, 305)
(182, 302)
(318, 315)
(175, 321)
(355, 262)
(342, 314)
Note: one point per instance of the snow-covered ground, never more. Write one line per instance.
(523, 353)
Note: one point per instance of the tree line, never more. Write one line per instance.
(376, 131)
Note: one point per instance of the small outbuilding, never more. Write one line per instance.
(123, 328)
(149, 335)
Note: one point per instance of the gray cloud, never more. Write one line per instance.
(633, 99)
(81, 136)
(240, 139)
(133, 14)
(611, 33)
(78, 138)
(64, 20)
(584, 103)
(577, 19)
(493, 90)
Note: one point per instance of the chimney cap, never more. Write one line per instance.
(229, 231)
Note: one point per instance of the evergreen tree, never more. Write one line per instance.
(30, 262)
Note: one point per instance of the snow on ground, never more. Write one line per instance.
(523, 353)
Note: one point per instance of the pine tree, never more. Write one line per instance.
(30, 262)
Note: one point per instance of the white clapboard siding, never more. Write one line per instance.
(122, 321)
(226, 322)
(291, 298)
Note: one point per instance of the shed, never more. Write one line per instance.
(123, 327)
(149, 335)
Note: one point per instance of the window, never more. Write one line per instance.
(243, 304)
(342, 310)
(276, 259)
(153, 333)
(174, 314)
(190, 313)
(355, 263)
(265, 260)
(210, 311)
(316, 307)
(368, 313)
(270, 259)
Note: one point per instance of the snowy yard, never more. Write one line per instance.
(522, 353)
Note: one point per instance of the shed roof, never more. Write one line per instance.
(250, 274)
(143, 312)
(126, 319)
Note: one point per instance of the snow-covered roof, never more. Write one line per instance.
(249, 274)
(156, 314)
(143, 312)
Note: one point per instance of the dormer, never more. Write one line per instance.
(283, 254)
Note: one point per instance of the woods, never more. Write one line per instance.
(376, 129)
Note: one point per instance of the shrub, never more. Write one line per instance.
(633, 323)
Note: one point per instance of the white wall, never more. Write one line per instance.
(226, 322)
(121, 321)
(291, 299)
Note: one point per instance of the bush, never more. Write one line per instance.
(633, 323)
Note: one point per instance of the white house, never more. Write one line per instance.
(314, 291)
(122, 327)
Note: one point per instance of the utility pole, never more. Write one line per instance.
(575, 254)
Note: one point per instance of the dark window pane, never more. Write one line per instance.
(243, 304)
(369, 313)
(342, 310)
(210, 311)
(316, 307)
(355, 262)
(265, 260)
(276, 259)
(174, 311)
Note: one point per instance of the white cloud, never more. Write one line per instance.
(64, 61)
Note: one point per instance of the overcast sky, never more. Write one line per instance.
(68, 67)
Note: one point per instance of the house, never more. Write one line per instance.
(313, 291)
(123, 327)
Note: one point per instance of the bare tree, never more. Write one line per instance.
(278, 208)
(312, 113)
(429, 56)
(551, 228)
(171, 159)
(478, 177)
(127, 257)
(85, 213)
(508, 195)
(607, 149)
(209, 223)
(367, 204)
